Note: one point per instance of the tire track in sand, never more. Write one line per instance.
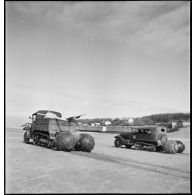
(136, 164)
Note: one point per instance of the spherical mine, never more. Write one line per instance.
(181, 146)
(170, 147)
(85, 143)
(65, 141)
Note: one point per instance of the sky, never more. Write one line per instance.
(103, 59)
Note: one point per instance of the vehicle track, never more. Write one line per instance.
(134, 163)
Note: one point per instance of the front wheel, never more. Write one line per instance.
(36, 139)
(26, 139)
(117, 143)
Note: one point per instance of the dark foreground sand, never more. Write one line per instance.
(34, 169)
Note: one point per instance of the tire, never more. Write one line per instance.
(181, 146)
(117, 143)
(26, 140)
(128, 146)
(170, 147)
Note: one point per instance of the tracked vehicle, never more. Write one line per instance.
(50, 130)
(151, 138)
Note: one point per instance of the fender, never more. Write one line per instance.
(124, 141)
(119, 137)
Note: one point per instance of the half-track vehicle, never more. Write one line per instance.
(149, 137)
(50, 130)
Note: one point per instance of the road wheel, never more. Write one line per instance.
(50, 144)
(117, 143)
(137, 146)
(128, 146)
(159, 148)
(151, 148)
(181, 146)
(170, 147)
(26, 140)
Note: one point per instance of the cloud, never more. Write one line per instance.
(160, 23)
(170, 30)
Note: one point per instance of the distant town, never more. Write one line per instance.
(170, 120)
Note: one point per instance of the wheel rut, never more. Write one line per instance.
(136, 164)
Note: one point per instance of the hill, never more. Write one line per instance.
(145, 120)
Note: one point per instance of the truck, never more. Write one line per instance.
(50, 130)
(149, 137)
